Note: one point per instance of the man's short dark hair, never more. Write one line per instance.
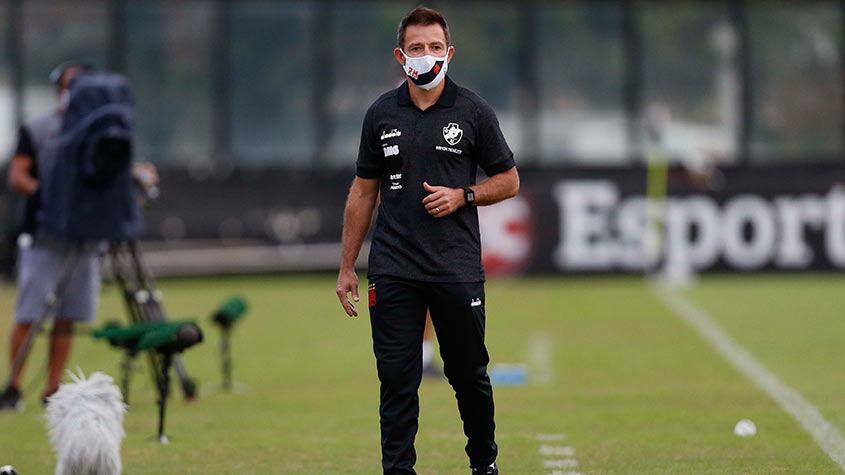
(422, 16)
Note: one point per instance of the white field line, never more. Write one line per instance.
(563, 463)
(556, 451)
(540, 359)
(822, 431)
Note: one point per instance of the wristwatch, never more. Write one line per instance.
(469, 196)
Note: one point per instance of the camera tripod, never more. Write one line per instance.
(143, 301)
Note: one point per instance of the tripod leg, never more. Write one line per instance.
(125, 370)
(129, 290)
(52, 301)
(147, 282)
(154, 311)
(189, 387)
(164, 387)
(226, 358)
(122, 278)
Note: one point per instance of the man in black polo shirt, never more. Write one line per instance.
(421, 145)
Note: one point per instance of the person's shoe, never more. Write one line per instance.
(491, 469)
(10, 400)
(46, 396)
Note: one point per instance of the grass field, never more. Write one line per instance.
(614, 374)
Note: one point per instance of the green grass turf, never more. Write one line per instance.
(633, 388)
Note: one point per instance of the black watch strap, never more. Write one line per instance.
(469, 196)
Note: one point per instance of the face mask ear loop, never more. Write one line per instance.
(404, 56)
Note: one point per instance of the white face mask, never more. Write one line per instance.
(426, 71)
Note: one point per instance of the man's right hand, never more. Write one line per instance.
(356, 221)
(347, 281)
(28, 187)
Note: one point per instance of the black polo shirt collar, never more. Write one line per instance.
(446, 99)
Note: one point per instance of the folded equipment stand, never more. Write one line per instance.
(164, 340)
(143, 302)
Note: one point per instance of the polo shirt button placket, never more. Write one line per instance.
(418, 135)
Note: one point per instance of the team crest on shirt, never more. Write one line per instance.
(453, 133)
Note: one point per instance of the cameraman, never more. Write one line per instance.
(43, 256)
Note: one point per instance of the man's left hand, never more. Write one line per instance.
(442, 201)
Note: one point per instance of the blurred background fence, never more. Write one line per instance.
(252, 109)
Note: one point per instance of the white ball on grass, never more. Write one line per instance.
(745, 428)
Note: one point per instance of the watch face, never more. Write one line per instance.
(470, 196)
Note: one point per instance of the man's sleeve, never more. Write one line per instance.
(24, 144)
(370, 160)
(494, 155)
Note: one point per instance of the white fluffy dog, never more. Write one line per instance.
(85, 422)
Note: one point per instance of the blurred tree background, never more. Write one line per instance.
(260, 83)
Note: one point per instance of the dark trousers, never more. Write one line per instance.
(397, 313)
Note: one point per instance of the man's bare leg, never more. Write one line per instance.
(60, 343)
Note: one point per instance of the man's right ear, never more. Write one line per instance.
(397, 53)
